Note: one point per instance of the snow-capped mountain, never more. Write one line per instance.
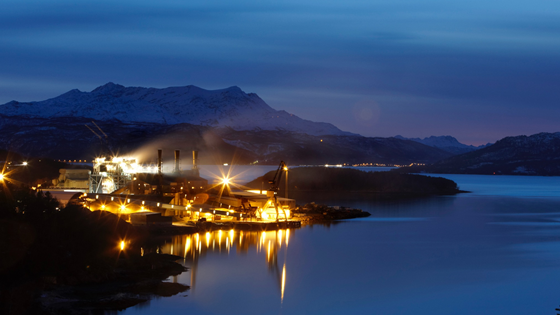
(229, 107)
(445, 143)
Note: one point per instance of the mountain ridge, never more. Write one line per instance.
(229, 107)
(447, 143)
(537, 154)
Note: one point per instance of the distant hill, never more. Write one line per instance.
(345, 179)
(446, 143)
(538, 154)
(298, 149)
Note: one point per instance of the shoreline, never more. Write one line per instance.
(136, 280)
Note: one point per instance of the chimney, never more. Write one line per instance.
(177, 157)
(159, 163)
(194, 161)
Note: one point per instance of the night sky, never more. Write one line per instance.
(476, 70)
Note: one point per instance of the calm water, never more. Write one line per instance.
(493, 251)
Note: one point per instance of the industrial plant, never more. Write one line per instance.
(145, 195)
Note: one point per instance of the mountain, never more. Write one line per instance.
(229, 107)
(225, 126)
(67, 138)
(445, 143)
(538, 154)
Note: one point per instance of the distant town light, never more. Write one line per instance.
(24, 163)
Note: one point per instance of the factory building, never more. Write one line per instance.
(72, 179)
(122, 186)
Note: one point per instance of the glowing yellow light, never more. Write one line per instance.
(231, 234)
(1, 176)
(187, 246)
(122, 207)
(268, 252)
(285, 168)
(103, 207)
(225, 181)
(122, 245)
(283, 282)
(24, 163)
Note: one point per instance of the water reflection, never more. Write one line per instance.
(267, 244)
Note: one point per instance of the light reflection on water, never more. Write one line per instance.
(263, 245)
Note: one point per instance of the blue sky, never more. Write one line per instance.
(476, 70)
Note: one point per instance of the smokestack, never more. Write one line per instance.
(159, 163)
(177, 156)
(194, 161)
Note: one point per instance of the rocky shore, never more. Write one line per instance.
(135, 280)
(314, 213)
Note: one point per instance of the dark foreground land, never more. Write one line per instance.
(69, 260)
(135, 280)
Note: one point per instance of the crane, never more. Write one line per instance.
(271, 193)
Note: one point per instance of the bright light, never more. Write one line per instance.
(283, 283)
(1, 176)
(122, 245)
(225, 181)
(285, 168)
(24, 163)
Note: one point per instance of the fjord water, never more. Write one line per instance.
(495, 250)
